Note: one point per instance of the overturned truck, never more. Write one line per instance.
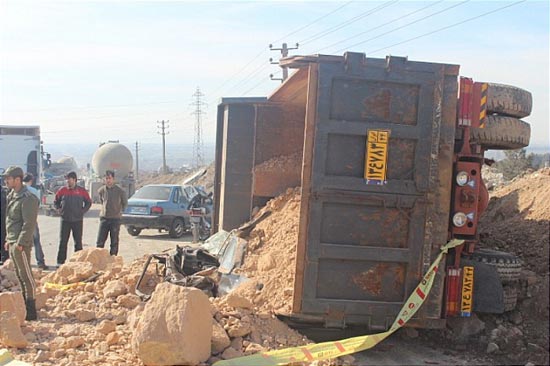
(389, 164)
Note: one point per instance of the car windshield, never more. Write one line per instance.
(153, 193)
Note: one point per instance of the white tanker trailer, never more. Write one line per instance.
(116, 157)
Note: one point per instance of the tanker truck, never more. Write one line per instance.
(111, 156)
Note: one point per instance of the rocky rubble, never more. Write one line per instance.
(94, 317)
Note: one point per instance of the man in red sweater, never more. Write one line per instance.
(72, 202)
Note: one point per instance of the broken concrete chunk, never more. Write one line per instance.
(175, 327)
(10, 331)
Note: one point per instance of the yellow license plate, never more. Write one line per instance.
(467, 291)
(376, 159)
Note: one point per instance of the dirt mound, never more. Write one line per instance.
(517, 220)
(270, 260)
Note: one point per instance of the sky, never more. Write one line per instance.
(88, 72)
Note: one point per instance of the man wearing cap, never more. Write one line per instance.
(72, 202)
(113, 201)
(4, 254)
(38, 252)
(22, 210)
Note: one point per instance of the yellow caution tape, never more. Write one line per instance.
(56, 286)
(6, 359)
(333, 349)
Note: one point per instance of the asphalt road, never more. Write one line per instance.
(130, 248)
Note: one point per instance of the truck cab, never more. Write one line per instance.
(20, 146)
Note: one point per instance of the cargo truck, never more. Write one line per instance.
(20, 146)
(389, 155)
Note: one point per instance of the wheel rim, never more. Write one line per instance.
(178, 228)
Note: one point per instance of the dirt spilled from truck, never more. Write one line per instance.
(270, 260)
(517, 220)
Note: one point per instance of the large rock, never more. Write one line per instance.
(220, 339)
(99, 258)
(115, 288)
(464, 328)
(71, 272)
(175, 327)
(10, 331)
(236, 300)
(13, 302)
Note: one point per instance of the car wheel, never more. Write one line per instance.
(177, 229)
(132, 230)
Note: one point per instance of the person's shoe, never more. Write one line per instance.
(31, 309)
(43, 266)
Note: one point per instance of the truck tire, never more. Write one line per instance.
(177, 229)
(510, 297)
(132, 230)
(508, 266)
(508, 100)
(502, 133)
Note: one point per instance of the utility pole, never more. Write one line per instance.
(162, 130)
(284, 53)
(137, 162)
(198, 157)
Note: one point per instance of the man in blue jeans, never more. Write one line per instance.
(72, 202)
(113, 201)
(28, 180)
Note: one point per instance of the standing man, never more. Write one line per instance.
(4, 254)
(22, 210)
(72, 202)
(113, 201)
(38, 252)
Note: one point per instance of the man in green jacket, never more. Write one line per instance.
(22, 211)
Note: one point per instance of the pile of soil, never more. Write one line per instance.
(291, 163)
(270, 260)
(517, 220)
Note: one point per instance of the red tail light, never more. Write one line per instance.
(452, 303)
(156, 210)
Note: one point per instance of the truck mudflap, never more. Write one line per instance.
(488, 293)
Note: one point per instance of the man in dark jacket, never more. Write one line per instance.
(72, 202)
(113, 201)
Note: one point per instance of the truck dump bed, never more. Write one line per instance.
(362, 247)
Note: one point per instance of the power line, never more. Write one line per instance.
(260, 83)
(449, 26)
(238, 72)
(253, 75)
(380, 26)
(347, 22)
(311, 23)
(403, 26)
(92, 107)
(278, 40)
